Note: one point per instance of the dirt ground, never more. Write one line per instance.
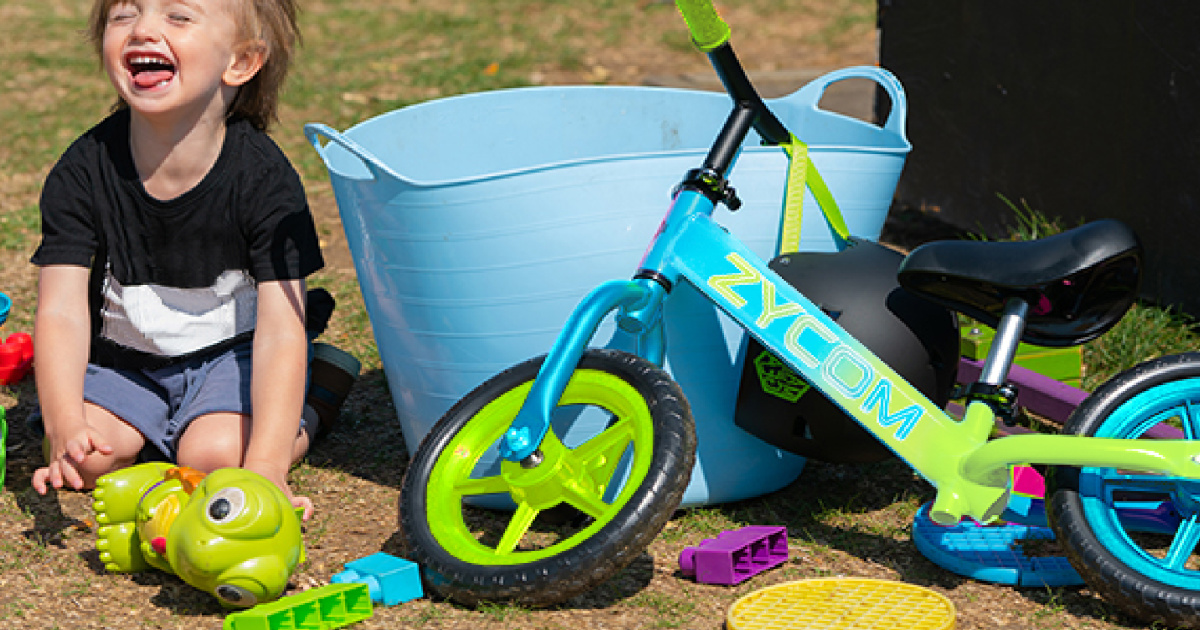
(842, 520)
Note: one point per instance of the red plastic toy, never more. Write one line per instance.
(16, 357)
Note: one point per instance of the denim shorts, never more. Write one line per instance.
(161, 403)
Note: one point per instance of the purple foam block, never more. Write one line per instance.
(1036, 392)
(735, 555)
(1050, 398)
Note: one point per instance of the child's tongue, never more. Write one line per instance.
(151, 78)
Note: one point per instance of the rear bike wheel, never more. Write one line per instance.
(1131, 535)
(618, 487)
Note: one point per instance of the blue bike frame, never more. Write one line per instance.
(971, 473)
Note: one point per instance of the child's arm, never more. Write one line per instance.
(277, 383)
(63, 337)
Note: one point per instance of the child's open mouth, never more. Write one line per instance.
(149, 70)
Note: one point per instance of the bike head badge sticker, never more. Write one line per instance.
(777, 379)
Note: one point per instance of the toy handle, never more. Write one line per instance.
(314, 131)
(687, 562)
(708, 30)
(810, 95)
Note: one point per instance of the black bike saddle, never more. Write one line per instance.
(1077, 284)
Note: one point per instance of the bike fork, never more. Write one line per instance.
(639, 303)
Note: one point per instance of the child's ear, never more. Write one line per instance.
(246, 62)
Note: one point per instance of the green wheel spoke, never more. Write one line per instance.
(522, 519)
(601, 454)
(484, 485)
(590, 503)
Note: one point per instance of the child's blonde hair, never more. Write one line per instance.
(271, 22)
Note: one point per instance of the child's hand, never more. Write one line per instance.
(280, 480)
(301, 502)
(65, 455)
(297, 501)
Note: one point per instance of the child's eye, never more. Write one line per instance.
(122, 13)
(179, 17)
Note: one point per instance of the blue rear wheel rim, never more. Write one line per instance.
(1101, 490)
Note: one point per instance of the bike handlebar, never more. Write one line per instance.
(711, 34)
(708, 30)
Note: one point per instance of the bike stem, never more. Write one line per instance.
(738, 85)
(749, 112)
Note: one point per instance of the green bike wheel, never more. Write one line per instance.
(577, 518)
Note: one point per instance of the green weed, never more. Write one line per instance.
(502, 612)
(669, 611)
(1030, 224)
(1146, 331)
(704, 522)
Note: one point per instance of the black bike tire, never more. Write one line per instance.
(578, 569)
(1137, 594)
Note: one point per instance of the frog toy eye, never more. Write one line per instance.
(225, 505)
(235, 596)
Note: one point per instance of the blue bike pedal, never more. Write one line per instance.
(993, 553)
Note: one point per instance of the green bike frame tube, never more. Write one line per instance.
(970, 472)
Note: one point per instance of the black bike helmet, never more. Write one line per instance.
(857, 287)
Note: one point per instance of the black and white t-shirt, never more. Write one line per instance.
(171, 279)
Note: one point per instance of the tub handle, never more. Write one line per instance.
(314, 131)
(810, 95)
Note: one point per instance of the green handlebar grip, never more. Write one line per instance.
(708, 30)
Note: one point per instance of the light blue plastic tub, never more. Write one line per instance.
(477, 222)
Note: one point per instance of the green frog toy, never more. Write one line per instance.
(231, 533)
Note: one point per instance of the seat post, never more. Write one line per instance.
(1004, 344)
